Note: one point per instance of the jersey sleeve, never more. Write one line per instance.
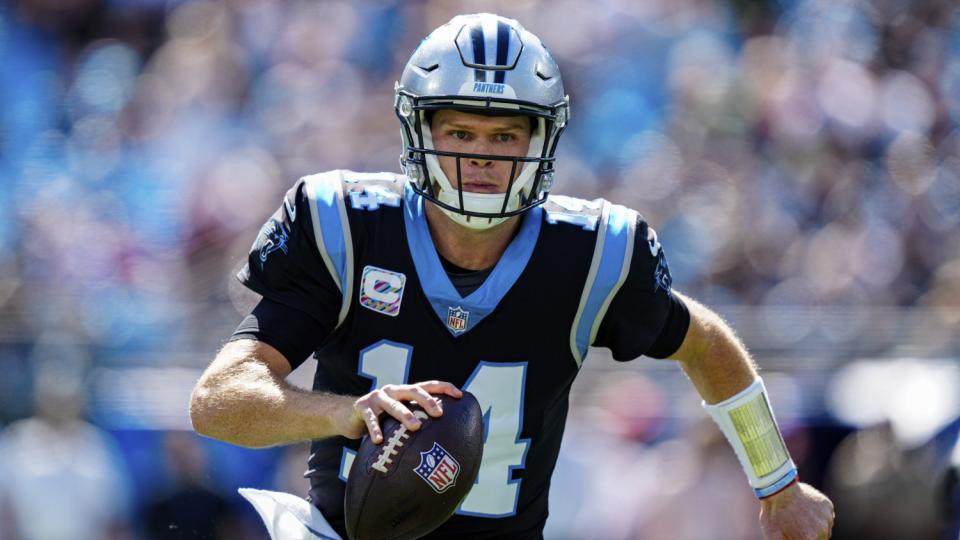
(644, 316)
(288, 266)
(288, 330)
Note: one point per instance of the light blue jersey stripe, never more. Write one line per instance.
(617, 235)
(332, 231)
(441, 293)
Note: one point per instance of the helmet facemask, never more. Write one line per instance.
(525, 190)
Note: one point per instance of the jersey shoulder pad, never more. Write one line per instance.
(574, 211)
(371, 191)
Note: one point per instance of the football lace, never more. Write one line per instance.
(393, 443)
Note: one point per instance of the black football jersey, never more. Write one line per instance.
(354, 251)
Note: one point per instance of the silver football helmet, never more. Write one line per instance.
(481, 64)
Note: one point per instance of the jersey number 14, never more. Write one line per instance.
(499, 389)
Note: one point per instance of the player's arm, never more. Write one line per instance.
(670, 325)
(712, 356)
(726, 378)
(243, 398)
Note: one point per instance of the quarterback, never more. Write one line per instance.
(465, 272)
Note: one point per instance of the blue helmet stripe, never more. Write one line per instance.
(479, 51)
(503, 46)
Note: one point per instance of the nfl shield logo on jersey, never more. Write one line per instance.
(438, 468)
(457, 319)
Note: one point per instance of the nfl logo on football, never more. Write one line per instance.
(438, 468)
(457, 319)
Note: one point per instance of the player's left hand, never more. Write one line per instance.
(799, 512)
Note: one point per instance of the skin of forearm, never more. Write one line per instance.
(712, 356)
(240, 400)
(720, 367)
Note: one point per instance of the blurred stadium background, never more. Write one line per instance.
(800, 158)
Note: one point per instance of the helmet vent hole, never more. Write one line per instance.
(543, 76)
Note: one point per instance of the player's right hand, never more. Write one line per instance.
(799, 512)
(391, 399)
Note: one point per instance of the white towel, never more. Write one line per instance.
(289, 517)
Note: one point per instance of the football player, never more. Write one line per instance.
(462, 273)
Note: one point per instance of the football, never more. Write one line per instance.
(413, 481)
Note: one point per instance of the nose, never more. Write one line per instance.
(480, 147)
(480, 162)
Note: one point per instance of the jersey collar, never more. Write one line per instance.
(457, 314)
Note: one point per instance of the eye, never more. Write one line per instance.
(505, 137)
(459, 135)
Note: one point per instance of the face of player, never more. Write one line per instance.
(456, 131)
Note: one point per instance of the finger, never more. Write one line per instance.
(441, 387)
(399, 411)
(425, 400)
(416, 393)
(373, 424)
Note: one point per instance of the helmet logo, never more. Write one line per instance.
(482, 89)
(488, 88)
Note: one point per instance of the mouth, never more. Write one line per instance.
(481, 187)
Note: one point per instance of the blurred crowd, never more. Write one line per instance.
(799, 158)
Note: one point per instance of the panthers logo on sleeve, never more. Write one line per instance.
(661, 275)
(272, 237)
(662, 278)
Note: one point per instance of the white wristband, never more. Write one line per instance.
(747, 421)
